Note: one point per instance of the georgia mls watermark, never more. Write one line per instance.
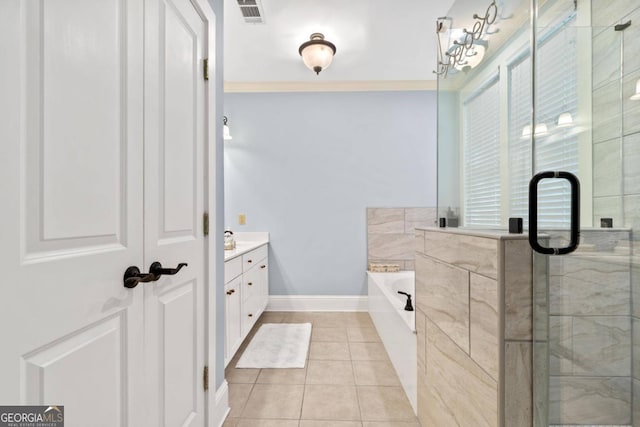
(32, 416)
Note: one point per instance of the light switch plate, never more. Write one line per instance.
(242, 219)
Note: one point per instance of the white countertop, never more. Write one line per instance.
(246, 242)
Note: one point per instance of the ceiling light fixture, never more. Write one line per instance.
(317, 53)
(636, 96)
(226, 133)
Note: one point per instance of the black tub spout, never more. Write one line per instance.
(408, 306)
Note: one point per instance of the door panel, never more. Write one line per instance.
(71, 220)
(174, 204)
(179, 309)
(47, 373)
(179, 48)
(74, 124)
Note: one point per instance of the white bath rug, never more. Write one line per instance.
(277, 345)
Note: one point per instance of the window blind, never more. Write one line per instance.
(557, 149)
(481, 153)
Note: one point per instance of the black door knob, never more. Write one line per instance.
(157, 270)
(132, 277)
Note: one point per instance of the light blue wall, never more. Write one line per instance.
(304, 167)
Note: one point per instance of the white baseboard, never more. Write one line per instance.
(221, 409)
(317, 303)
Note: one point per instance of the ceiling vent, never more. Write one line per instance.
(251, 11)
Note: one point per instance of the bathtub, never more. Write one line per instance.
(396, 326)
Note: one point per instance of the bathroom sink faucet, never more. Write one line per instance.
(408, 306)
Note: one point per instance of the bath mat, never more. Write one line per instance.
(277, 345)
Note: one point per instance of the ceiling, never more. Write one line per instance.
(376, 40)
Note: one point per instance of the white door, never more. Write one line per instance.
(174, 206)
(71, 191)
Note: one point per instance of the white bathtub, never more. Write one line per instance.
(396, 326)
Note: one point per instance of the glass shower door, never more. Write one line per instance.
(585, 123)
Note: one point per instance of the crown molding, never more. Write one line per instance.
(331, 86)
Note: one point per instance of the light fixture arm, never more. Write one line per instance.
(461, 49)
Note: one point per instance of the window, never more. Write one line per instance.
(482, 157)
(556, 148)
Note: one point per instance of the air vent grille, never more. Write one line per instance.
(251, 11)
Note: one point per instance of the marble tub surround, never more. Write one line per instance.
(391, 233)
(474, 325)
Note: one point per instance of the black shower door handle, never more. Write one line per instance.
(575, 212)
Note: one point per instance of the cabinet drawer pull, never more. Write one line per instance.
(250, 315)
(229, 292)
(250, 284)
(263, 266)
(249, 261)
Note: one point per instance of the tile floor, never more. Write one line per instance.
(348, 381)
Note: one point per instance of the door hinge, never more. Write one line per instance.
(205, 378)
(205, 223)
(206, 68)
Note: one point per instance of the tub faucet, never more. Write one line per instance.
(408, 306)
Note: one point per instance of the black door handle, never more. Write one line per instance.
(575, 213)
(157, 270)
(132, 277)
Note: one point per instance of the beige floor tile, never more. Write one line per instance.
(329, 351)
(274, 401)
(238, 396)
(329, 334)
(272, 317)
(390, 424)
(230, 422)
(375, 372)
(241, 376)
(363, 335)
(282, 376)
(328, 320)
(298, 317)
(357, 320)
(317, 423)
(330, 372)
(368, 351)
(330, 402)
(246, 422)
(384, 404)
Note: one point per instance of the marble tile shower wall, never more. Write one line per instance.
(616, 118)
(590, 331)
(616, 189)
(391, 232)
(474, 328)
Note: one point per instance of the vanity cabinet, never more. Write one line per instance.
(246, 293)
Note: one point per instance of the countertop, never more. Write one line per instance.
(246, 242)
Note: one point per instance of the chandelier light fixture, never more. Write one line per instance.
(317, 53)
(468, 51)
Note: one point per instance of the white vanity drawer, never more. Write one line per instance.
(232, 269)
(252, 258)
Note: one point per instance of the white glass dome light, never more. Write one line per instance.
(565, 120)
(317, 53)
(539, 130)
(636, 96)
